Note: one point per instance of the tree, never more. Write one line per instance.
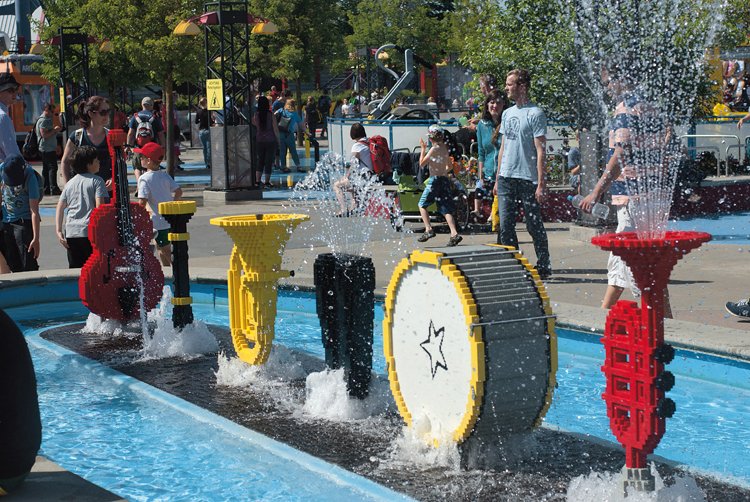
(310, 36)
(531, 34)
(564, 44)
(141, 34)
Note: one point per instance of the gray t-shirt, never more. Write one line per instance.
(80, 195)
(519, 127)
(49, 144)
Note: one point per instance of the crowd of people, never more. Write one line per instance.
(85, 174)
(510, 133)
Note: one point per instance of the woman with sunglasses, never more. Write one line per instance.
(93, 115)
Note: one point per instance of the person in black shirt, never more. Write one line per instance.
(204, 120)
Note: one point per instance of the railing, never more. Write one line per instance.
(709, 147)
(723, 138)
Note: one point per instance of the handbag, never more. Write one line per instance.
(284, 121)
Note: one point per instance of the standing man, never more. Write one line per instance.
(47, 133)
(144, 128)
(324, 106)
(521, 170)
(8, 96)
(8, 144)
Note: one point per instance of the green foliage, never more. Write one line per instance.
(540, 35)
(735, 25)
(310, 35)
(414, 25)
(145, 51)
(531, 34)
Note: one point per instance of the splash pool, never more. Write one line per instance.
(725, 228)
(158, 441)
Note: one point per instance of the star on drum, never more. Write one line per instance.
(434, 348)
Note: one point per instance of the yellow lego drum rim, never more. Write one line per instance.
(473, 333)
(472, 274)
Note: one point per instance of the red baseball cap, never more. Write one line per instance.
(152, 150)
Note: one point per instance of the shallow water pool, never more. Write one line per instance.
(707, 433)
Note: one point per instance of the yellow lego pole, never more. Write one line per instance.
(495, 215)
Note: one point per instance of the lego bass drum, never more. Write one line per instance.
(469, 343)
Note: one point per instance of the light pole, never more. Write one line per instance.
(226, 31)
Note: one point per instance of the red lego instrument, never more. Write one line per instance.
(121, 276)
(635, 352)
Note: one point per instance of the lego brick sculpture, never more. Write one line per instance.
(121, 277)
(635, 352)
(178, 213)
(254, 269)
(469, 343)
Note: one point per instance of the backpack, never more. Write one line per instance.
(380, 154)
(144, 132)
(39, 181)
(30, 147)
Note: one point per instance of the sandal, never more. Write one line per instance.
(426, 236)
(455, 240)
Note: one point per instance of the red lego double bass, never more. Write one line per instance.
(121, 270)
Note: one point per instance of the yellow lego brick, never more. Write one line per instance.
(178, 237)
(182, 300)
(177, 207)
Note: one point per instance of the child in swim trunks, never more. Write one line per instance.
(438, 188)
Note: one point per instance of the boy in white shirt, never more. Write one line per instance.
(156, 186)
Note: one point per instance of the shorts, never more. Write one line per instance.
(438, 189)
(618, 273)
(161, 237)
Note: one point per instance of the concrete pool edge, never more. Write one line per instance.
(708, 339)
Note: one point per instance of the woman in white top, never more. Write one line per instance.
(360, 160)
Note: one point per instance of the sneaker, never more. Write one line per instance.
(268, 186)
(455, 240)
(544, 273)
(739, 309)
(426, 236)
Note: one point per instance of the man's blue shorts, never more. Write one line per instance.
(438, 189)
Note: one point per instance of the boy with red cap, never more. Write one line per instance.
(155, 186)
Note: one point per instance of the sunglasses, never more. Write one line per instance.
(102, 113)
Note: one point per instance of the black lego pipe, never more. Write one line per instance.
(345, 300)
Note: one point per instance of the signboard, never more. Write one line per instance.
(62, 102)
(215, 94)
